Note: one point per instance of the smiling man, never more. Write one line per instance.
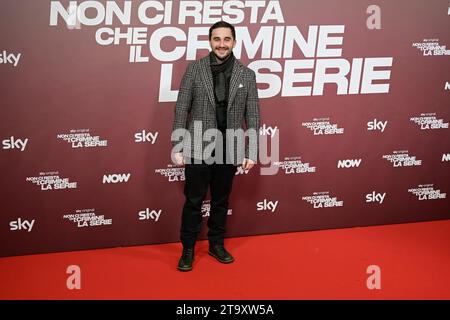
(217, 100)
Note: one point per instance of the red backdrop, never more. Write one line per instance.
(74, 108)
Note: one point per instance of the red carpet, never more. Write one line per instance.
(331, 264)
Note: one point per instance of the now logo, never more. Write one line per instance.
(446, 157)
(116, 178)
(349, 163)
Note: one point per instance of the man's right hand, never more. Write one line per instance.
(179, 159)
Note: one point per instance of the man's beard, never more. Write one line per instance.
(225, 57)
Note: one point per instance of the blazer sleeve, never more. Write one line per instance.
(184, 100)
(252, 119)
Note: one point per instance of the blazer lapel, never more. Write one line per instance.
(207, 79)
(235, 76)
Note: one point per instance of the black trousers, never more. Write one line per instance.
(198, 177)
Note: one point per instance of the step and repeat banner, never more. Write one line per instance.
(354, 100)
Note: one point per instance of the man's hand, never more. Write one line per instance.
(247, 164)
(179, 159)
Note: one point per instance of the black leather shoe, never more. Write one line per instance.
(219, 252)
(186, 260)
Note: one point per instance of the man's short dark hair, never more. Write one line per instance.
(222, 24)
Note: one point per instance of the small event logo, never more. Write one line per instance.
(401, 158)
(323, 200)
(428, 121)
(294, 165)
(323, 126)
(52, 181)
(427, 192)
(81, 138)
(431, 47)
(83, 218)
(172, 173)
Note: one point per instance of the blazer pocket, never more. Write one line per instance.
(241, 95)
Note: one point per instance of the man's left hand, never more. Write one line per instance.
(247, 164)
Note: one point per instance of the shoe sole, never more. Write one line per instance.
(218, 259)
(184, 269)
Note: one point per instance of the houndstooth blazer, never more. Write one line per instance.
(195, 110)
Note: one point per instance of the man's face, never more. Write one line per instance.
(222, 42)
